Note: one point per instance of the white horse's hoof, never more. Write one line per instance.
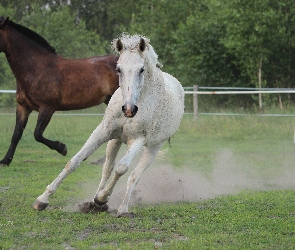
(39, 206)
(128, 215)
(91, 207)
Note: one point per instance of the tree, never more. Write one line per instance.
(201, 58)
(70, 38)
(255, 33)
(237, 43)
(158, 20)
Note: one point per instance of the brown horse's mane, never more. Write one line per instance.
(32, 35)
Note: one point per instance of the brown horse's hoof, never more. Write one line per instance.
(128, 215)
(62, 149)
(65, 150)
(91, 207)
(39, 206)
(5, 162)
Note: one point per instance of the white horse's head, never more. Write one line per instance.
(130, 68)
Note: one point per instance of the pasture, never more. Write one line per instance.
(225, 183)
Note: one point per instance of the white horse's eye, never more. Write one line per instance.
(118, 69)
(141, 70)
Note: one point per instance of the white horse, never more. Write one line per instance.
(152, 103)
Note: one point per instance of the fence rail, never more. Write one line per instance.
(239, 92)
(233, 91)
(187, 92)
(8, 91)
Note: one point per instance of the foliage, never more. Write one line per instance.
(258, 31)
(70, 39)
(157, 20)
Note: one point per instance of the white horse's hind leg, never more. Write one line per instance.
(148, 156)
(97, 138)
(102, 196)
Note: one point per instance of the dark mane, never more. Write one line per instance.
(32, 36)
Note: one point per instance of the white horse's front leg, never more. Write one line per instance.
(148, 156)
(111, 154)
(102, 196)
(97, 138)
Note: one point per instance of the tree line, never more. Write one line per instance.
(236, 43)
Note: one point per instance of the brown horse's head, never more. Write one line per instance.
(3, 23)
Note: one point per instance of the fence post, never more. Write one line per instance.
(195, 103)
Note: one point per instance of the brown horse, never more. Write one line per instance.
(47, 82)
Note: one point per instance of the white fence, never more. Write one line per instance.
(8, 91)
(231, 91)
(217, 91)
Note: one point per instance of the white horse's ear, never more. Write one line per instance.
(119, 45)
(142, 45)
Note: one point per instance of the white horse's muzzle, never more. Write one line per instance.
(129, 109)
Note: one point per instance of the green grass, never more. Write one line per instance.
(251, 219)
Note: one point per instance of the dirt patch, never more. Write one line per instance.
(165, 184)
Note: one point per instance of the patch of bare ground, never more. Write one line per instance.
(165, 184)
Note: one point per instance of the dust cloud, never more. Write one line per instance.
(166, 184)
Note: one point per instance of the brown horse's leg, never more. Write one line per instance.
(44, 118)
(22, 114)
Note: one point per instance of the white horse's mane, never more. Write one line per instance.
(131, 42)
